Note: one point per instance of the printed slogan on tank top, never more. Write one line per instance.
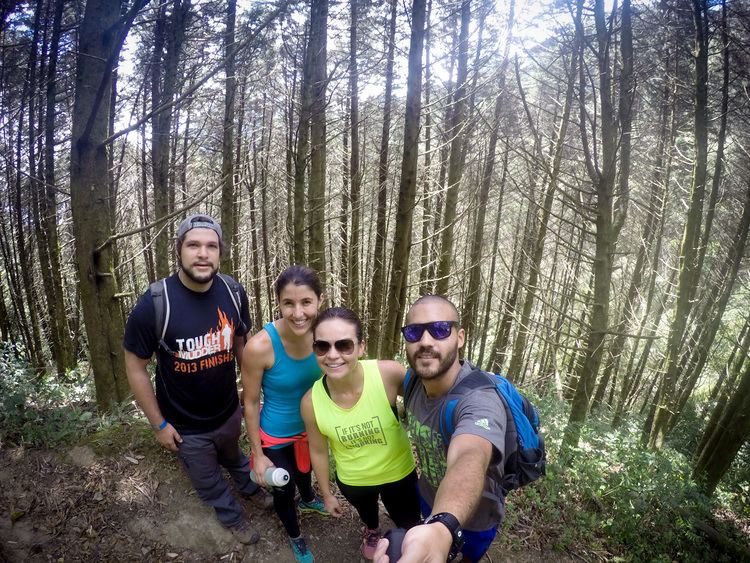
(364, 433)
(430, 450)
(208, 350)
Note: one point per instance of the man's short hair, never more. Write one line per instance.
(434, 297)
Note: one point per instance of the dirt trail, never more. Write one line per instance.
(136, 505)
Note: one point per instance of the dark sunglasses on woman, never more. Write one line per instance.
(344, 346)
(439, 330)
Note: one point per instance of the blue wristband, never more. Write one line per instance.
(163, 425)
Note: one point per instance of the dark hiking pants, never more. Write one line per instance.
(203, 455)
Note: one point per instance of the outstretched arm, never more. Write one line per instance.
(459, 493)
(319, 455)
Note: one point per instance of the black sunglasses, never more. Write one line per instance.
(322, 347)
(439, 330)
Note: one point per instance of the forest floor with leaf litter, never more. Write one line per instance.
(117, 497)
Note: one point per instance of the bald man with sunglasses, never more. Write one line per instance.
(459, 483)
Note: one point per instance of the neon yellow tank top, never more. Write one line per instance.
(368, 443)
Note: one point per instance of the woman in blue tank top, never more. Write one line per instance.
(279, 361)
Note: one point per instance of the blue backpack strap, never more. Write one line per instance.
(477, 379)
(409, 382)
(446, 419)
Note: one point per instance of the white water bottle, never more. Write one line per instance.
(275, 476)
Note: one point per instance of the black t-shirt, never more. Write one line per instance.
(196, 385)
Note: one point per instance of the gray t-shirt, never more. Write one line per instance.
(481, 413)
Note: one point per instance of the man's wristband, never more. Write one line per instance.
(454, 527)
(162, 426)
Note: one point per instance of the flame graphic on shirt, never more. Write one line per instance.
(226, 329)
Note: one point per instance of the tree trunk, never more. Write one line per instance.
(737, 357)
(714, 307)
(102, 32)
(606, 233)
(726, 438)
(721, 139)
(734, 368)
(374, 330)
(688, 273)
(229, 259)
(471, 302)
(519, 345)
(355, 168)
(345, 197)
(316, 197)
(456, 164)
(61, 340)
(495, 239)
(626, 115)
(300, 157)
(408, 185)
(143, 205)
(163, 87)
(517, 271)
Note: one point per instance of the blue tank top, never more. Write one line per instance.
(284, 385)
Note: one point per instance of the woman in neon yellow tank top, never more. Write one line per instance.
(352, 409)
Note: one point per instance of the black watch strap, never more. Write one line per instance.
(454, 527)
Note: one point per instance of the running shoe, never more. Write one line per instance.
(370, 539)
(314, 506)
(299, 548)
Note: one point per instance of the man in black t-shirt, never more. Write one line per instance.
(195, 411)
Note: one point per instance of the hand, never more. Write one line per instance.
(427, 543)
(380, 556)
(260, 464)
(333, 506)
(169, 438)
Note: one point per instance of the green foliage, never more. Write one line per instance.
(615, 499)
(37, 410)
(687, 434)
(34, 410)
(734, 489)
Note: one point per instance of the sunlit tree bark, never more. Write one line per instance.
(688, 273)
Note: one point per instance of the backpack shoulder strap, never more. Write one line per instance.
(477, 379)
(160, 298)
(409, 382)
(233, 287)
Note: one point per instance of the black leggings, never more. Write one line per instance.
(283, 497)
(400, 499)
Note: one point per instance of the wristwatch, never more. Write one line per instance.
(454, 527)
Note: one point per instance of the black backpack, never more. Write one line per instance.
(525, 455)
(160, 297)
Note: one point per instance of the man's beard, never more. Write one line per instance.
(202, 278)
(443, 366)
